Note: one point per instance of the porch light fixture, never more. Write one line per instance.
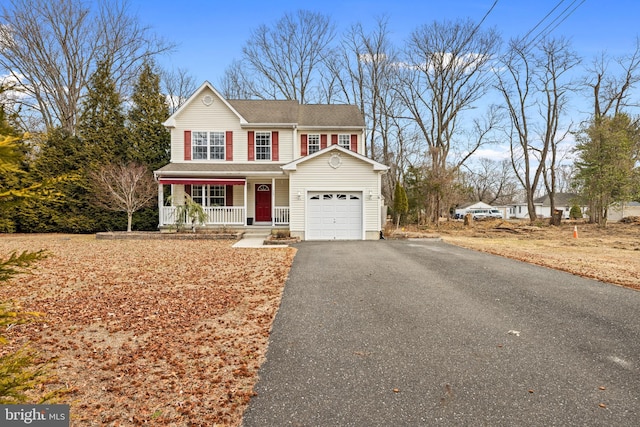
(299, 195)
(370, 194)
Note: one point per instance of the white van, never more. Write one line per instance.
(485, 213)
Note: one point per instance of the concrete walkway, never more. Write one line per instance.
(255, 239)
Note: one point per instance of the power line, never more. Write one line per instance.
(543, 19)
(548, 30)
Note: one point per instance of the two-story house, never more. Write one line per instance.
(275, 163)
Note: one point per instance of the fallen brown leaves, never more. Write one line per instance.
(608, 254)
(159, 332)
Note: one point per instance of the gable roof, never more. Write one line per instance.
(303, 115)
(171, 121)
(475, 205)
(259, 111)
(282, 112)
(335, 115)
(561, 199)
(291, 166)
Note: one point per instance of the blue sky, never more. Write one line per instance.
(210, 34)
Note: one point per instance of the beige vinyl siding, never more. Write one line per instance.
(215, 117)
(285, 145)
(177, 192)
(318, 175)
(238, 195)
(282, 192)
(308, 131)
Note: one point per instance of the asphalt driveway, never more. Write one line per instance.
(418, 332)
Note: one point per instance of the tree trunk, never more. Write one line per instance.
(556, 217)
(129, 220)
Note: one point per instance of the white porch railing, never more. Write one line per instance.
(221, 215)
(281, 215)
(224, 215)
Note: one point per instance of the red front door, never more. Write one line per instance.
(263, 202)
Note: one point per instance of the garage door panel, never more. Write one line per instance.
(334, 215)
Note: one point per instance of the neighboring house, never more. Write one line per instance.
(563, 201)
(617, 212)
(273, 163)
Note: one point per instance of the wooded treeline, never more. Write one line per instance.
(83, 92)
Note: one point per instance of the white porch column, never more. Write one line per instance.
(246, 213)
(273, 201)
(160, 203)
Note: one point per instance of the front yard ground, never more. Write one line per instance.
(171, 332)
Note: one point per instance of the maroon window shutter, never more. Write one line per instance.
(303, 145)
(354, 143)
(275, 152)
(229, 145)
(334, 139)
(251, 153)
(187, 145)
(323, 141)
(229, 196)
(187, 189)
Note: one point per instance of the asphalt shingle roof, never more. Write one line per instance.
(267, 111)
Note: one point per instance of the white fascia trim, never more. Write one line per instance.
(174, 174)
(291, 166)
(345, 128)
(171, 121)
(269, 125)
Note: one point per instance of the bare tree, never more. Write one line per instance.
(236, 84)
(491, 181)
(557, 59)
(611, 91)
(285, 58)
(364, 72)
(534, 155)
(50, 48)
(178, 85)
(446, 73)
(124, 188)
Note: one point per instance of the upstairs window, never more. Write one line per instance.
(208, 146)
(313, 144)
(263, 145)
(344, 141)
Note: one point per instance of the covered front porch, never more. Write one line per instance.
(225, 216)
(226, 202)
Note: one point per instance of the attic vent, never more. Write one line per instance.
(207, 100)
(335, 161)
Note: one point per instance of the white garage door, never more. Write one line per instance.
(334, 215)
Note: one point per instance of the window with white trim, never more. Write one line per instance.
(344, 141)
(263, 145)
(209, 195)
(313, 143)
(208, 146)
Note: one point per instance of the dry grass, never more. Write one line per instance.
(154, 332)
(167, 332)
(610, 254)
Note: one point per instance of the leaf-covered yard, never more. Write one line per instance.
(149, 331)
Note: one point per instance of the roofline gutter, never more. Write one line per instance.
(176, 174)
(308, 127)
(269, 125)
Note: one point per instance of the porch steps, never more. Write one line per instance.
(254, 238)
